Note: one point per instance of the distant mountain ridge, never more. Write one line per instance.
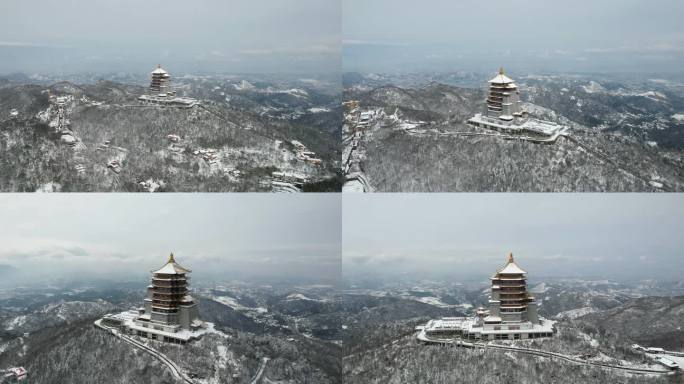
(650, 321)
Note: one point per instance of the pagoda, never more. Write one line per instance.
(503, 101)
(503, 113)
(168, 314)
(160, 85)
(160, 91)
(168, 302)
(512, 313)
(509, 302)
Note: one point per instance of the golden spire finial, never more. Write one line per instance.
(171, 259)
(501, 71)
(510, 257)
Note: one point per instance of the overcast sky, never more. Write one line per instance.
(127, 235)
(612, 236)
(524, 35)
(200, 35)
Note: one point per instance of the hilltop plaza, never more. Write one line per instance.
(169, 313)
(504, 113)
(512, 313)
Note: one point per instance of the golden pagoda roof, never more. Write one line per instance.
(160, 70)
(501, 78)
(511, 268)
(172, 268)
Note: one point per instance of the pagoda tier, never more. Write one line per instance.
(167, 282)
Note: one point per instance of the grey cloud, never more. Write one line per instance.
(397, 35)
(569, 235)
(76, 235)
(101, 35)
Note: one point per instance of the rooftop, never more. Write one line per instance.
(511, 267)
(501, 78)
(172, 268)
(159, 70)
(540, 127)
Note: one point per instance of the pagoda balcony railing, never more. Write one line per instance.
(170, 288)
(511, 276)
(167, 303)
(179, 278)
(167, 291)
(169, 282)
(517, 312)
(509, 309)
(510, 282)
(172, 305)
(179, 287)
(512, 287)
(512, 301)
(512, 306)
(167, 297)
(164, 311)
(170, 277)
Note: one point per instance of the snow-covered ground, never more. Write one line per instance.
(233, 303)
(593, 87)
(16, 322)
(575, 313)
(593, 342)
(677, 359)
(319, 110)
(299, 296)
(433, 301)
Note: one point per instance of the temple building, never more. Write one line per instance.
(160, 85)
(169, 313)
(503, 101)
(510, 303)
(161, 92)
(512, 313)
(13, 375)
(504, 113)
(168, 305)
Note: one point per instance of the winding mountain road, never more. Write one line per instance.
(175, 369)
(537, 352)
(260, 372)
